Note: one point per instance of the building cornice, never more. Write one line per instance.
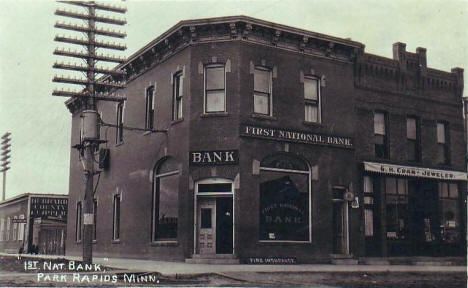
(25, 196)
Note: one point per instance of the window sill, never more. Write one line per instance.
(119, 144)
(313, 124)
(264, 117)
(214, 114)
(174, 122)
(115, 241)
(165, 243)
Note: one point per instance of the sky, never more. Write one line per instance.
(40, 123)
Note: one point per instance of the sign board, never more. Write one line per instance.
(414, 171)
(305, 137)
(18, 220)
(88, 219)
(270, 260)
(217, 157)
(45, 207)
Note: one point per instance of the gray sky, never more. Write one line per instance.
(40, 123)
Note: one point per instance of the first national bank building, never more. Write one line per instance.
(278, 142)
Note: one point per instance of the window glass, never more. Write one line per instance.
(167, 196)
(453, 191)
(169, 165)
(262, 104)
(369, 222)
(411, 128)
(284, 161)
(262, 81)
(440, 133)
(177, 96)
(205, 218)
(411, 150)
(149, 116)
(215, 101)
(116, 232)
(310, 89)
(94, 218)
(379, 123)
(311, 113)
(441, 154)
(443, 190)
(217, 187)
(402, 186)
(390, 185)
(21, 228)
(78, 221)
(368, 188)
(284, 206)
(215, 78)
(119, 123)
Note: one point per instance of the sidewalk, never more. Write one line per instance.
(180, 268)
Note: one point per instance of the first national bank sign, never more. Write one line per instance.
(296, 136)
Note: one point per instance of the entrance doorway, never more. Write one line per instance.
(214, 217)
(340, 223)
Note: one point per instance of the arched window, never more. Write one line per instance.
(165, 200)
(285, 199)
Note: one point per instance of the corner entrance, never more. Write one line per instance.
(215, 226)
(214, 219)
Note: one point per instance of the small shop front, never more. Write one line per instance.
(412, 211)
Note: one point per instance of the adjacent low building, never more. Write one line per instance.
(34, 223)
(275, 144)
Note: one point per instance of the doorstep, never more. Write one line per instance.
(343, 259)
(213, 259)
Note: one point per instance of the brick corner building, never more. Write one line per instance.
(275, 143)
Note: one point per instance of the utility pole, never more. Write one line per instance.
(98, 86)
(5, 156)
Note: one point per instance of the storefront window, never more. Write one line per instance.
(368, 206)
(396, 194)
(284, 199)
(166, 201)
(449, 212)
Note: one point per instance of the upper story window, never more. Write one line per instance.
(149, 114)
(412, 139)
(2, 229)
(380, 135)
(116, 218)
(312, 100)
(442, 143)
(215, 89)
(119, 123)
(78, 222)
(95, 206)
(177, 91)
(262, 91)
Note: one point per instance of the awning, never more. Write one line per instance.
(411, 171)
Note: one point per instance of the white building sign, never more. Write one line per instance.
(414, 171)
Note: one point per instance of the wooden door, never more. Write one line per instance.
(207, 226)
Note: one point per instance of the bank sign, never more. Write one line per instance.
(217, 157)
(414, 171)
(49, 208)
(296, 136)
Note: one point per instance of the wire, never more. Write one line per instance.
(97, 184)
